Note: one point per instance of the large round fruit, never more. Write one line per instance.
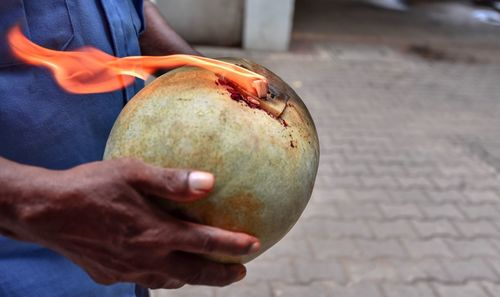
(265, 165)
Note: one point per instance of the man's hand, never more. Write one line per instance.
(99, 216)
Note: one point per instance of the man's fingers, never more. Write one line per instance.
(195, 270)
(202, 239)
(174, 184)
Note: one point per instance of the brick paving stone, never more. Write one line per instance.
(448, 183)
(434, 247)
(462, 271)
(399, 290)
(380, 248)
(335, 145)
(447, 196)
(409, 196)
(369, 195)
(261, 289)
(425, 170)
(319, 289)
(398, 228)
(477, 228)
(392, 158)
(325, 181)
(349, 168)
(331, 158)
(414, 182)
(410, 271)
(326, 168)
(323, 210)
(482, 196)
(289, 247)
(331, 228)
(342, 181)
(482, 211)
(495, 242)
(486, 183)
(276, 270)
(492, 288)
(186, 291)
(354, 158)
(388, 170)
(310, 270)
(494, 263)
(327, 195)
(472, 247)
(358, 211)
(441, 211)
(465, 290)
(383, 182)
(329, 248)
(401, 211)
(356, 290)
(297, 233)
(376, 270)
(458, 169)
(435, 228)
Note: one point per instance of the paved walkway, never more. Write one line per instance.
(407, 201)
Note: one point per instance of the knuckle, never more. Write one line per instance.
(176, 180)
(28, 216)
(128, 164)
(124, 163)
(130, 169)
(208, 243)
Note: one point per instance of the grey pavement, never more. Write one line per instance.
(407, 200)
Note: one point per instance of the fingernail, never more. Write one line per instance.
(254, 248)
(200, 181)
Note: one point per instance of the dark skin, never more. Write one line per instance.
(103, 215)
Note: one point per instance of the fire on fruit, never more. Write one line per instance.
(89, 70)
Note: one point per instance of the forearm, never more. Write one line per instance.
(159, 38)
(101, 210)
(21, 187)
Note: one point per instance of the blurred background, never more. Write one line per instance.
(406, 99)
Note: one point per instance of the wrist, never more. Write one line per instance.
(23, 189)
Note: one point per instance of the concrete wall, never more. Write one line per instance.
(257, 24)
(209, 22)
(268, 24)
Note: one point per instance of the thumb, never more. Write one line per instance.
(173, 184)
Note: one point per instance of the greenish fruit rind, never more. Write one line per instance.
(265, 167)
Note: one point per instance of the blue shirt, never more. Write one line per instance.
(42, 125)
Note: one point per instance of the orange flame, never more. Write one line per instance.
(89, 70)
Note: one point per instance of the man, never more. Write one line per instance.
(74, 225)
